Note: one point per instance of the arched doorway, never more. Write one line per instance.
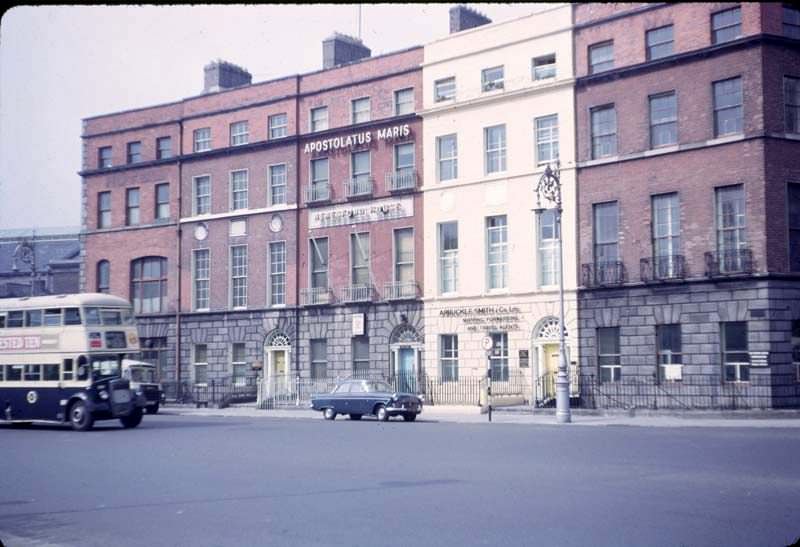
(277, 348)
(546, 345)
(405, 350)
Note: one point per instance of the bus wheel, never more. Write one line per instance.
(80, 418)
(133, 420)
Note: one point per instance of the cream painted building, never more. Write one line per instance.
(498, 106)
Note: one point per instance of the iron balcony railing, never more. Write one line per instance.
(662, 268)
(316, 296)
(601, 274)
(401, 180)
(729, 262)
(359, 187)
(318, 192)
(357, 293)
(401, 290)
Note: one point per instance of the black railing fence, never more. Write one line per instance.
(216, 392)
(693, 392)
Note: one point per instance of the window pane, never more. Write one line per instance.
(601, 57)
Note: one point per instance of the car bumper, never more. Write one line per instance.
(415, 409)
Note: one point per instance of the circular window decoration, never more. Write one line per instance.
(276, 224)
(279, 340)
(549, 330)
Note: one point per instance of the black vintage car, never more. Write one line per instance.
(359, 397)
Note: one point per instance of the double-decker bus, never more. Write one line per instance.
(60, 359)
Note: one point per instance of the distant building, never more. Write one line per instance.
(39, 262)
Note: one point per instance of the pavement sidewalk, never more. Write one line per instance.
(524, 416)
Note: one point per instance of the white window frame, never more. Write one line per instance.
(547, 249)
(500, 150)
(232, 193)
(129, 209)
(546, 136)
(438, 97)
(447, 260)
(159, 204)
(201, 144)
(284, 128)
(238, 380)
(312, 123)
(196, 363)
(397, 264)
(440, 159)
(354, 114)
(240, 133)
(448, 360)
(500, 249)
(273, 274)
(356, 242)
(543, 71)
(196, 280)
(313, 250)
(271, 186)
(398, 103)
(234, 277)
(495, 84)
(196, 196)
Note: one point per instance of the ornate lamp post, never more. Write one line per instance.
(549, 188)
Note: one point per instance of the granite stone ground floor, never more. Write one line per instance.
(731, 343)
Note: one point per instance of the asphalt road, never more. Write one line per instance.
(181, 480)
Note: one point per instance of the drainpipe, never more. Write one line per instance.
(297, 227)
(178, 261)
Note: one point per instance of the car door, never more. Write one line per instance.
(356, 399)
(341, 398)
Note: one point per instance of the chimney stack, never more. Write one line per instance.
(462, 18)
(340, 49)
(221, 75)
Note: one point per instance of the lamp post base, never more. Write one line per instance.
(563, 414)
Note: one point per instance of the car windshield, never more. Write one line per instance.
(105, 366)
(143, 375)
(378, 387)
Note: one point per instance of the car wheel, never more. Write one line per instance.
(80, 418)
(355, 417)
(152, 409)
(329, 414)
(135, 418)
(409, 417)
(381, 413)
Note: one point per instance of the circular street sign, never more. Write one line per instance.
(487, 343)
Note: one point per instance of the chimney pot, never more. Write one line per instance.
(340, 49)
(221, 75)
(463, 18)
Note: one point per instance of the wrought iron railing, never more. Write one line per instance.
(662, 268)
(600, 274)
(401, 290)
(357, 293)
(219, 392)
(359, 187)
(318, 192)
(401, 180)
(706, 391)
(729, 262)
(315, 296)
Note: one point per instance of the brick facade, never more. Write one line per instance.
(761, 158)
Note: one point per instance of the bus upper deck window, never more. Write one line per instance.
(92, 316)
(72, 316)
(111, 317)
(14, 319)
(33, 318)
(127, 317)
(2, 368)
(52, 317)
(68, 370)
(2, 321)
(13, 373)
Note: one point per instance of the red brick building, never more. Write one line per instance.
(198, 211)
(689, 201)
